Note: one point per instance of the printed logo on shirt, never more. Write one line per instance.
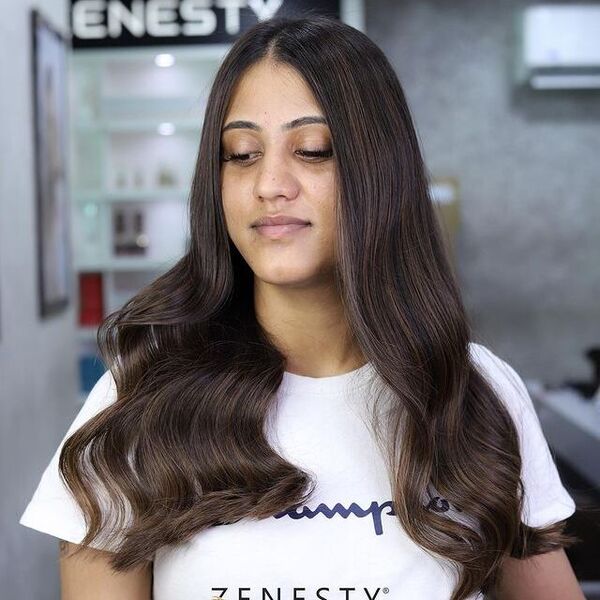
(375, 511)
(439, 504)
(299, 593)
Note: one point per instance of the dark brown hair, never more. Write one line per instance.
(183, 447)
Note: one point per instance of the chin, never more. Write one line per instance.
(285, 276)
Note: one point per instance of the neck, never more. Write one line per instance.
(309, 327)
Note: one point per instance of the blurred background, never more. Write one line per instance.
(101, 112)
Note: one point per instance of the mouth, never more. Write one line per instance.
(278, 231)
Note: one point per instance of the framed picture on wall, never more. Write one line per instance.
(50, 84)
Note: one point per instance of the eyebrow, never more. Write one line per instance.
(299, 122)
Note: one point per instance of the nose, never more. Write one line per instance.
(274, 177)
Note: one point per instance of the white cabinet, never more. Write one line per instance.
(134, 130)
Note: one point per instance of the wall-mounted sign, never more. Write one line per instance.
(119, 23)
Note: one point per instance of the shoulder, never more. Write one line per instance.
(52, 508)
(503, 378)
(104, 390)
(102, 395)
(546, 500)
(492, 365)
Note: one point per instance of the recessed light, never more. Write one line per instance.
(164, 60)
(166, 129)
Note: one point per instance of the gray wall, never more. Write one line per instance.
(38, 371)
(528, 168)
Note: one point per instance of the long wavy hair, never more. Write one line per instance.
(183, 447)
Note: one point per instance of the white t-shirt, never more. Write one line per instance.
(344, 544)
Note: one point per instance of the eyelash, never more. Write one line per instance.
(309, 153)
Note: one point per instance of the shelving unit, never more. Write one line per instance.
(135, 128)
(135, 131)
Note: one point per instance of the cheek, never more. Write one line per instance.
(325, 210)
(232, 208)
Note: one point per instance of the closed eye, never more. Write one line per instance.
(316, 153)
(310, 154)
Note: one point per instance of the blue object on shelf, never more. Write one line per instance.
(91, 368)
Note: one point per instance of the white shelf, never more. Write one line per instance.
(133, 195)
(194, 54)
(127, 264)
(132, 104)
(137, 125)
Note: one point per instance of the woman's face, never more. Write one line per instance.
(285, 169)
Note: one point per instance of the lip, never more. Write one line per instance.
(279, 220)
(278, 231)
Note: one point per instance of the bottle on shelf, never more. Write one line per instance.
(130, 239)
(119, 233)
(141, 238)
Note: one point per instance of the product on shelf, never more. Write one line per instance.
(166, 177)
(129, 237)
(91, 306)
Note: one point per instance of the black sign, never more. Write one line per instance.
(125, 23)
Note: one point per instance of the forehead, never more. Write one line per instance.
(271, 93)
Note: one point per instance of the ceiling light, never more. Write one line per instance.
(166, 129)
(164, 60)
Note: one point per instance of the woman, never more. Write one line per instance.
(299, 400)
